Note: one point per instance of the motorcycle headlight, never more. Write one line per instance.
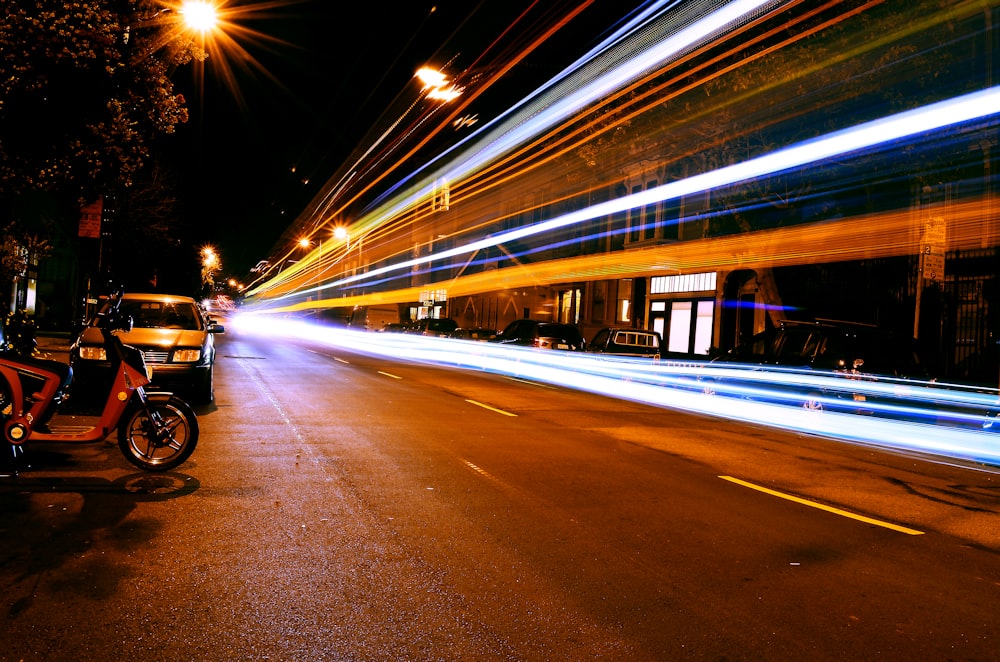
(187, 355)
(93, 353)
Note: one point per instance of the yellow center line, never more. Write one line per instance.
(389, 374)
(829, 509)
(499, 411)
(341, 360)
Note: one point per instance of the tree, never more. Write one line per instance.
(84, 90)
(84, 93)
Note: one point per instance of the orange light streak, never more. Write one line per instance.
(891, 234)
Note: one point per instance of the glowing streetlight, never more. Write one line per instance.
(431, 77)
(210, 264)
(340, 232)
(437, 85)
(199, 15)
(209, 258)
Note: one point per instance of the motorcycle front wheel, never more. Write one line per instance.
(162, 439)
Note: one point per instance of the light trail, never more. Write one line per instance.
(934, 419)
(881, 133)
(560, 98)
(333, 207)
(559, 102)
(886, 234)
(611, 58)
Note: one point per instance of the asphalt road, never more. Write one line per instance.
(346, 507)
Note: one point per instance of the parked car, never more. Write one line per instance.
(865, 355)
(177, 341)
(395, 327)
(859, 352)
(474, 333)
(544, 335)
(624, 341)
(440, 327)
(832, 345)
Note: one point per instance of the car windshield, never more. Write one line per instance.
(161, 314)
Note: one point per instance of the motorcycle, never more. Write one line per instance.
(157, 430)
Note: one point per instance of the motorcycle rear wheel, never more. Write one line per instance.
(160, 441)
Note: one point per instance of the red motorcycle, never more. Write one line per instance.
(157, 431)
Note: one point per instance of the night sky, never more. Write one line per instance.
(262, 142)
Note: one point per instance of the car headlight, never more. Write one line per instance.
(93, 353)
(187, 355)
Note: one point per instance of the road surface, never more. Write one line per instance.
(347, 507)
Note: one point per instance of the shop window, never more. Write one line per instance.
(623, 309)
(679, 337)
(657, 312)
(690, 327)
(703, 327)
(569, 306)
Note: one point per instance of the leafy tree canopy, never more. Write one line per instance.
(84, 89)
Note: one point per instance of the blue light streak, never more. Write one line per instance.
(650, 40)
(882, 133)
(914, 416)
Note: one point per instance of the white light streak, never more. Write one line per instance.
(880, 132)
(726, 391)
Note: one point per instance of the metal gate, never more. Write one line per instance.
(970, 322)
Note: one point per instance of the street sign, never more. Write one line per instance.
(933, 246)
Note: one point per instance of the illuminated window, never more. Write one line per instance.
(569, 306)
(690, 329)
(703, 327)
(679, 338)
(624, 312)
(441, 196)
(700, 282)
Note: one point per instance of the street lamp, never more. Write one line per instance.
(340, 232)
(174, 28)
(199, 15)
(209, 258)
(437, 84)
(210, 264)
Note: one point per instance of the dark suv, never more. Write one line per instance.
(544, 335)
(433, 326)
(857, 351)
(862, 353)
(831, 345)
